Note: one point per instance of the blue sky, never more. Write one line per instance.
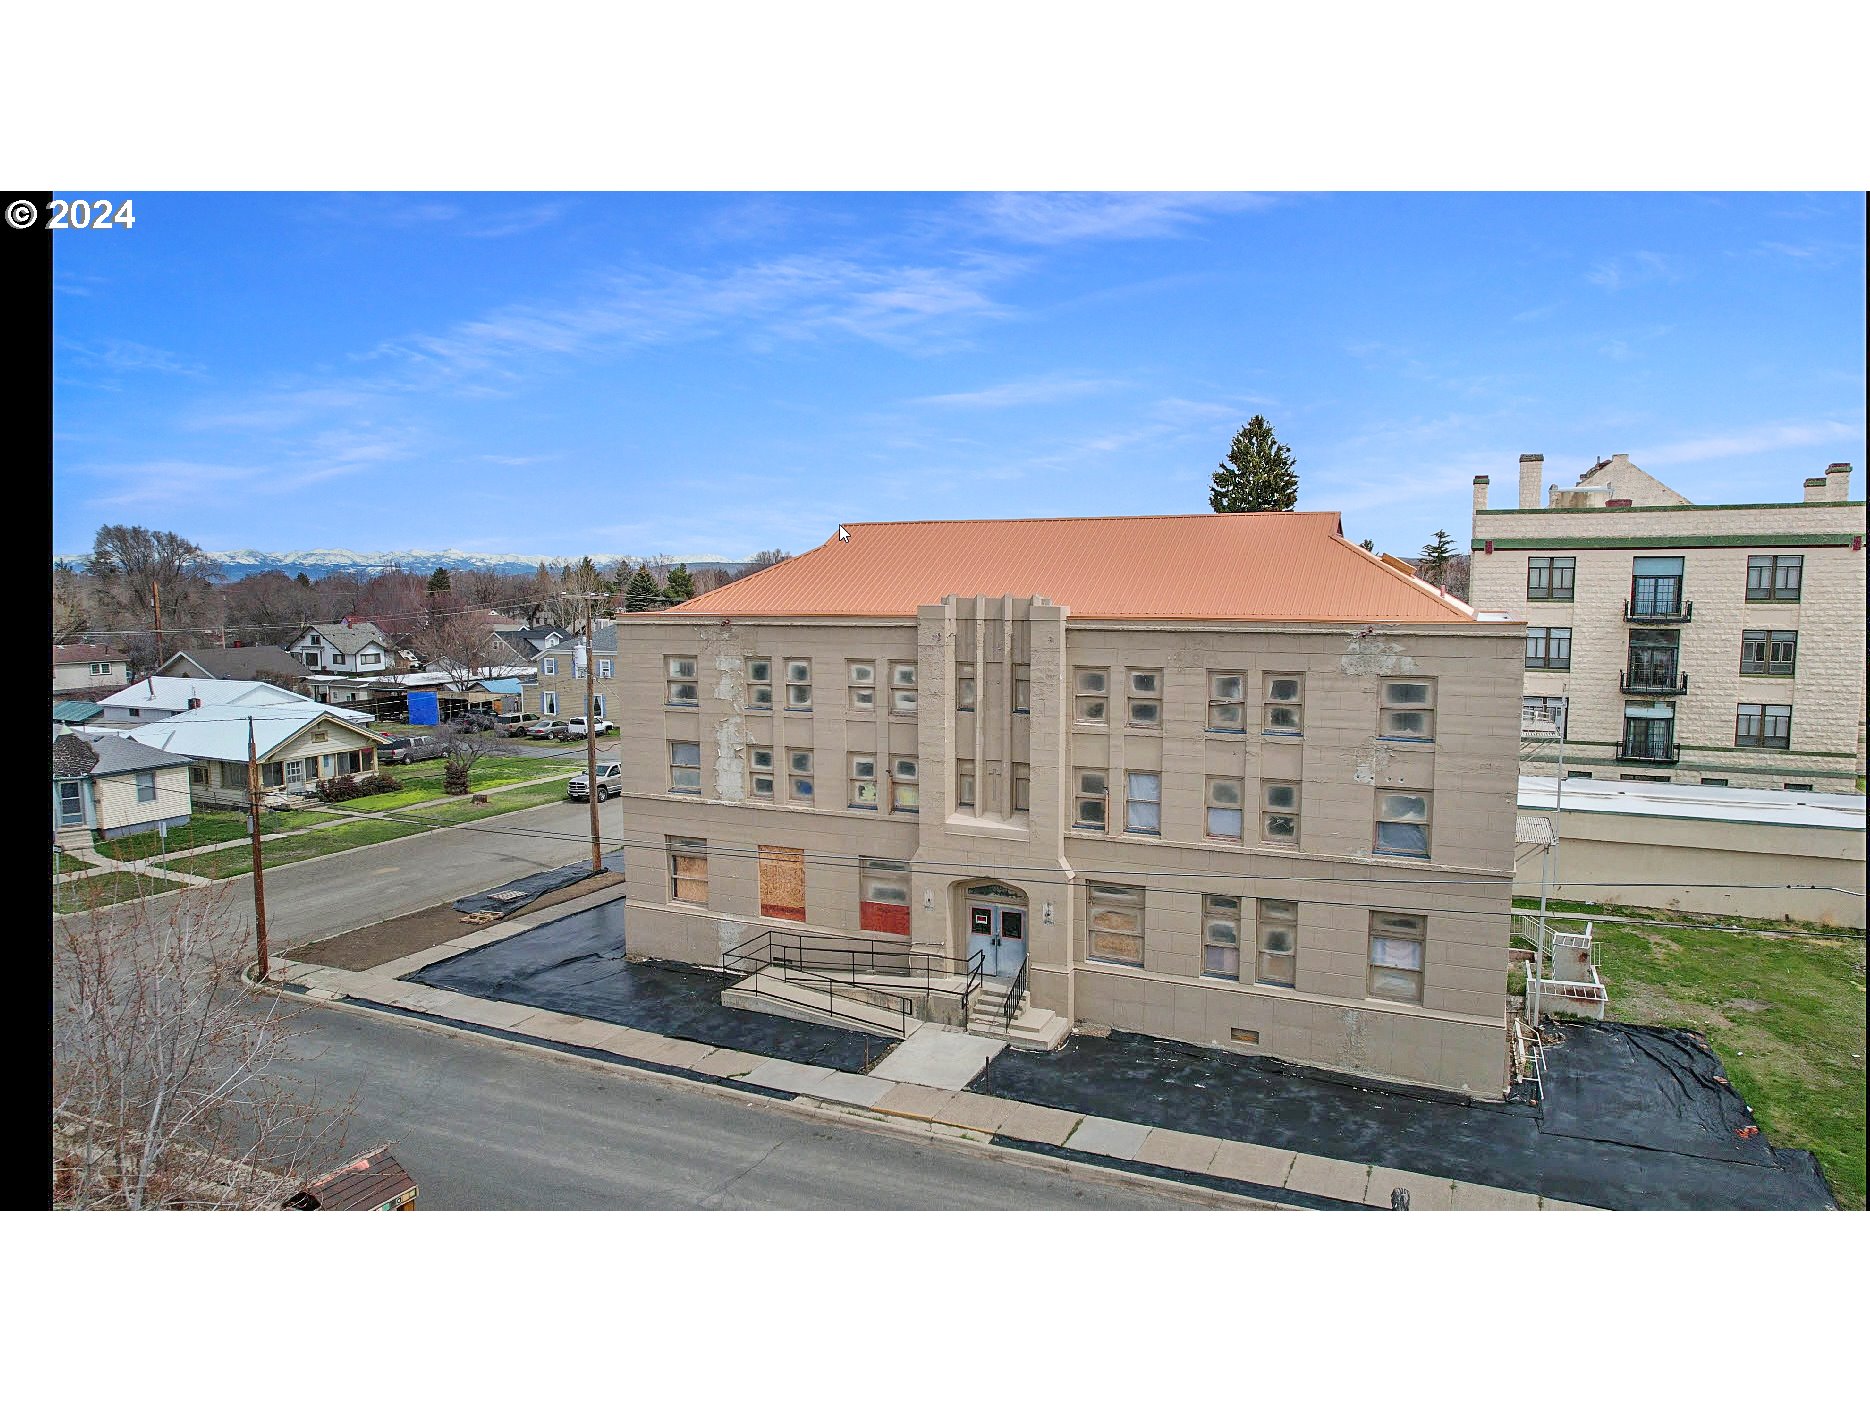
(719, 374)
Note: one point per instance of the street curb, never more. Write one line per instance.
(801, 1107)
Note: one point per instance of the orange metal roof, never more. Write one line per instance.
(1284, 566)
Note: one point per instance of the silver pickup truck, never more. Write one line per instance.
(609, 783)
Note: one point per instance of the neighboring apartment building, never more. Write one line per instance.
(1721, 645)
(88, 667)
(1224, 779)
(558, 688)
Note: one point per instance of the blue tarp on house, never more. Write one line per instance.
(500, 686)
(424, 708)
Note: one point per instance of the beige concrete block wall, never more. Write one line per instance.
(117, 805)
(1826, 694)
(1723, 868)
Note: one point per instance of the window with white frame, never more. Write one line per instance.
(1090, 799)
(965, 685)
(548, 703)
(905, 787)
(1114, 923)
(1091, 695)
(1142, 803)
(1396, 945)
(146, 786)
(1408, 710)
(1022, 689)
(863, 686)
(760, 771)
(1226, 807)
(759, 683)
(683, 690)
(688, 870)
(1227, 708)
(799, 776)
(1277, 933)
(863, 781)
(798, 684)
(1402, 823)
(1220, 937)
(684, 766)
(604, 669)
(964, 785)
(1145, 700)
(100, 669)
(1279, 812)
(548, 666)
(1284, 708)
(902, 688)
(597, 704)
(1022, 788)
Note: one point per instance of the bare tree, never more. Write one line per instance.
(762, 560)
(269, 607)
(397, 602)
(172, 1081)
(158, 581)
(457, 642)
(465, 749)
(72, 604)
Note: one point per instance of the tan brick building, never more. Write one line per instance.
(1694, 644)
(1223, 779)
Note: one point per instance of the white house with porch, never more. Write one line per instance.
(298, 745)
(157, 698)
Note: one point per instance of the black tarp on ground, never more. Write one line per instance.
(508, 898)
(575, 965)
(1206, 1090)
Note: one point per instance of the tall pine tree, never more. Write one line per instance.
(642, 596)
(681, 585)
(1259, 474)
(1435, 557)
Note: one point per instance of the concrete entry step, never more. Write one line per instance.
(944, 1057)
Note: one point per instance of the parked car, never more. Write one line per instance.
(549, 730)
(514, 725)
(576, 727)
(609, 783)
(407, 749)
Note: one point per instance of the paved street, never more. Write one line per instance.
(487, 1127)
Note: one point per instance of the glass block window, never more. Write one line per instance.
(682, 689)
(1145, 700)
(863, 785)
(798, 684)
(905, 788)
(1279, 812)
(863, 686)
(1091, 686)
(760, 771)
(799, 786)
(1284, 706)
(1090, 800)
(1227, 710)
(1408, 710)
(903, 688)
(759, 683)
(1278, 936)
(1220, 937)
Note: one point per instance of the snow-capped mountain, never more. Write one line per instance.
(238, 564)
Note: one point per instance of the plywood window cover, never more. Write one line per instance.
(782, 883)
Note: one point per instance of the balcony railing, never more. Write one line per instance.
(1648, 752)
(1652, 681)
(1657, 610)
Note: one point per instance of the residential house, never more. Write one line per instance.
(297, 744)
(353, 649)
(1692, 644)
(159, 697)
(1225, 779)
(522, 644)
(107, 786)
(262, 662)
(558, 687)
(88, 667)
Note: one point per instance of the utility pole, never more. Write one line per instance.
(156, 586)
(253, 830)
(589, 600)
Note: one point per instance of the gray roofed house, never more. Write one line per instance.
(264, 662)
(527, 643)
(112, 785)
(351, 648)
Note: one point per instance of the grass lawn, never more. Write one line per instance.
(1785, 1015)
(422, 781)
(1529, 905)
(204, 829)
(68, 861)
(107, 888)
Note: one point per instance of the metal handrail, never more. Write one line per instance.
(1647, 754)
(1653, 681)
(832, 987)
(976, 976)
(1014, 993)
(1679, 611)
(788, 950)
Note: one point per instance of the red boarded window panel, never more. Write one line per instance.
(883, 896)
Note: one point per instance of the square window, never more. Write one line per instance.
(683, 690)
(759, 683)
(1284, 707)
(684, 766)
(1142, 811)
(1089, 788)
(1408, 711)
(760, 771)
(1396, 945)
(1279, 812)
(1548, 649)
(1226, 802)
(1092, 696)
(1402, 823)
(688, 870)
(1145, 699)
(1114, 924)
(905, 790)
(863, 674)
(1278, 935)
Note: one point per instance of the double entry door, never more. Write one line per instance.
(998, 933)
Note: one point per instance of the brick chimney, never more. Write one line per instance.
(1817, 489)
(1838, 482)
(1531, 479)
(1480, 493)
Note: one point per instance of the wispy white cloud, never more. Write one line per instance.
(1067, 218)
(403, 212)
(1757, 438)
(1628, 270)
(1040, 389)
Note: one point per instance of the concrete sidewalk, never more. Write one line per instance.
(1253, 1169)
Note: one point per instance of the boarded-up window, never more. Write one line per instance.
(883, 896)
(1115, 918)
(782, 883)
(688, 869)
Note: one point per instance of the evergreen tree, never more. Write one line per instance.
(439, 583)
(304, 580)
(1435, 557)
(1369, 545)
(642, 596)
(681, 585)
(1259, 474)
